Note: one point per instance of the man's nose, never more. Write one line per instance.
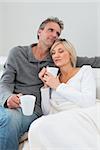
(55, 34)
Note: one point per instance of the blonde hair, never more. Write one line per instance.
(69, 47)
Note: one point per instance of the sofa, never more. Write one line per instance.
(24, 145)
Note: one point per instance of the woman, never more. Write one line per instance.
(73, 88)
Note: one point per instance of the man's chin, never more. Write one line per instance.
(51, 42)
(49, 45)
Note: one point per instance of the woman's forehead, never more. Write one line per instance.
(57, 45)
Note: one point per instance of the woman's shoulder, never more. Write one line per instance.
(86, 66)
(84, 69)
(87, 69)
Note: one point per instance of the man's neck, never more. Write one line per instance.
(40, 52)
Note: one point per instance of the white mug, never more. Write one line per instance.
(27, 103)
(52, 70)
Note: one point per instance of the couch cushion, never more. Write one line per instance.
(2, 61)
(97, 76)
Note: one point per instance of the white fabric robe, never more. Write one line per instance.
(70, 123)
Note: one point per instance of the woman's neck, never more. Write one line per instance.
(67, 73)
(66, 69)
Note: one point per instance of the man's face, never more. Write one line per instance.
(49, 34)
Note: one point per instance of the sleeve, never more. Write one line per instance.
(45, 100)
(84, 97)
(7, 81)
(93, 61)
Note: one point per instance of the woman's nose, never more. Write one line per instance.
(56, 55)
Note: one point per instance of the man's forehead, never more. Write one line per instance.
(52, 25)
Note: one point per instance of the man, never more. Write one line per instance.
(21, 77)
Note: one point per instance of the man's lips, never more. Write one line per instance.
(52, 39)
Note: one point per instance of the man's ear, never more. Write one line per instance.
(39, 32)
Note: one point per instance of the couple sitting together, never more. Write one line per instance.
(66, 123)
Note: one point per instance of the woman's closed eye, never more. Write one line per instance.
(53, 52)
(60, 50)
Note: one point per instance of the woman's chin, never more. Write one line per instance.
(58, 65)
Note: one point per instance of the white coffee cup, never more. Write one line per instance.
(52, 70)
(27, 103)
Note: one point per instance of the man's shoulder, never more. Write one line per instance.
(19, 49)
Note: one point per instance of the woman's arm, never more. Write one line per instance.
(84, 97)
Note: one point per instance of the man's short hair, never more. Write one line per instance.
(51, 19)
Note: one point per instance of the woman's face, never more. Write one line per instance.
(60, 55)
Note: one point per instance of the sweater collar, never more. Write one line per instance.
(32, 58)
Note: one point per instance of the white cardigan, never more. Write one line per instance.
(80, 90)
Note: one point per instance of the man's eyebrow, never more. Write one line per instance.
(50, 29)
(53, 29)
